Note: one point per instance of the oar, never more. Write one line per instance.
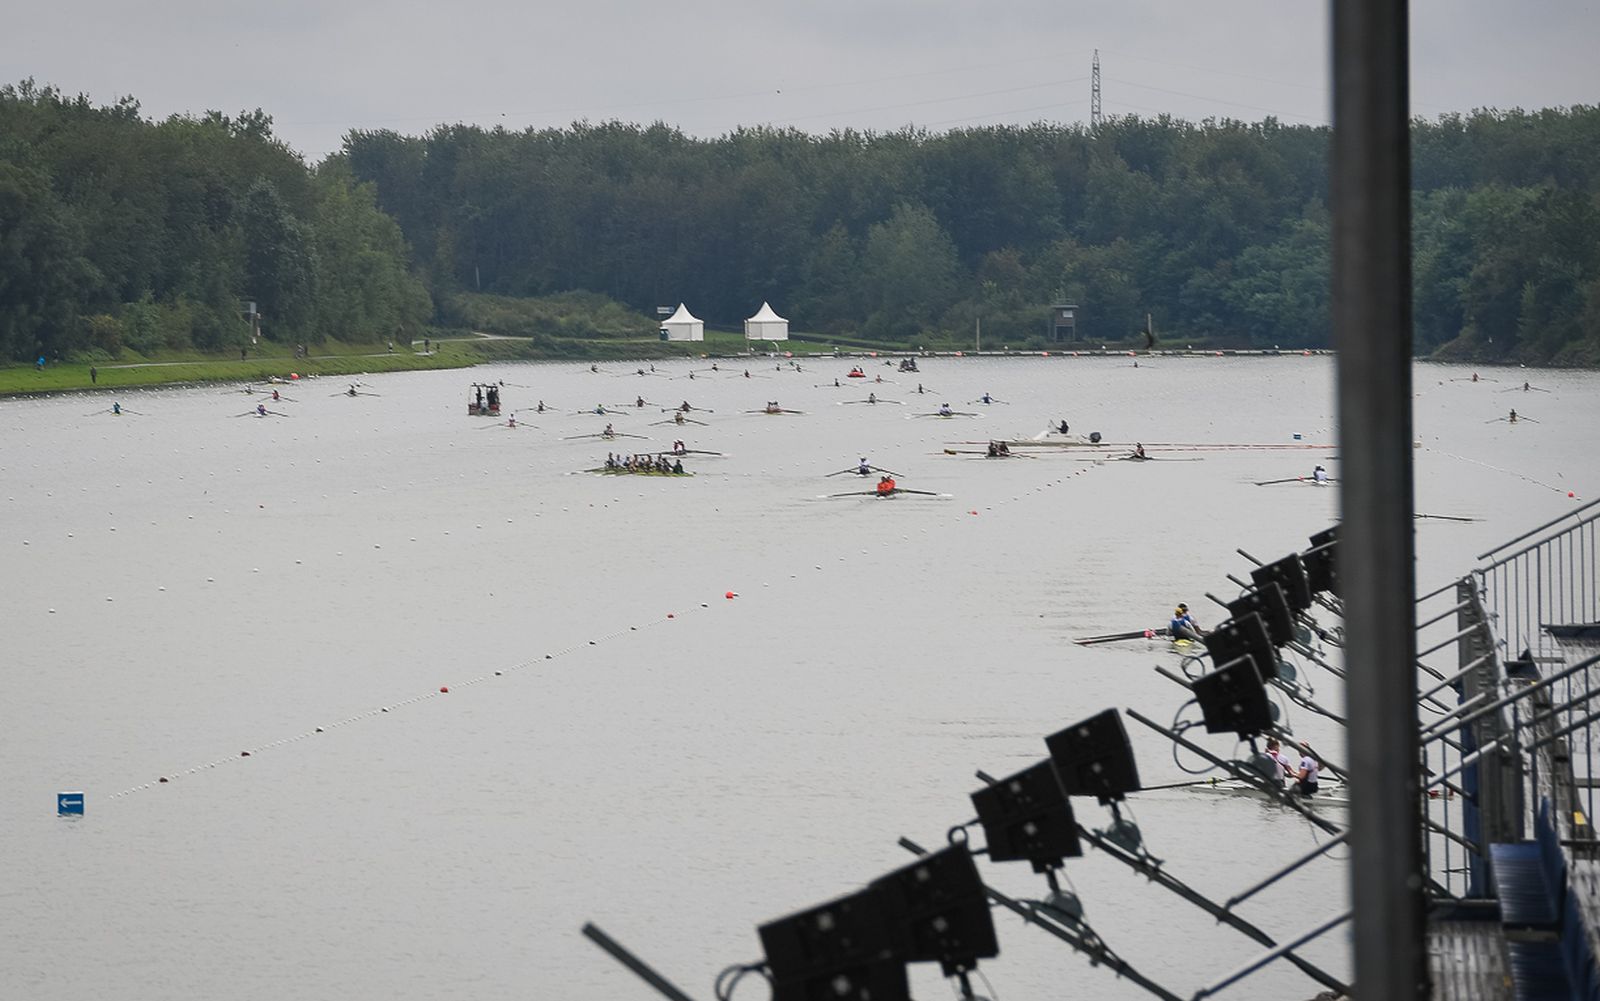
(1443, 517)
(852, 493)
(1286, 479)
(1181, 785)
(278, 414)
(97, 413)
(1137, 634)
(924, 493)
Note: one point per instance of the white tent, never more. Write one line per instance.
(766, 326)
(682, 326)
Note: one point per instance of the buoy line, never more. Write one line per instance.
(1498, 469)
(169, 777)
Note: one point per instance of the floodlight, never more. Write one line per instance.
(1233, 699)
(1028, 818)
(938, 911)
(1095, 758)
(1243, 636)
(1321, 563)
(840, 950)
(1290, 574)
(1268, 601)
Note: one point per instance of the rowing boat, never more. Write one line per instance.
(1330, 794)
(619, 471)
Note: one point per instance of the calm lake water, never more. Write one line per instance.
(620, 742)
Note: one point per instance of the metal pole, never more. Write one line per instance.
(634, 963)
(1370, 181)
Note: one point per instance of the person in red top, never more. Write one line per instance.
(885, 486)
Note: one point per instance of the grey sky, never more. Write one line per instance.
(707, 66)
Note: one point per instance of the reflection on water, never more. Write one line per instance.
(620, 741)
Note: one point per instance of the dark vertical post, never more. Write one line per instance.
(1371, 191)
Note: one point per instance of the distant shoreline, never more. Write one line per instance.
(23, 381)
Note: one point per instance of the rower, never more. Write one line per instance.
(611, 461)
(677, 465)
(987, 398)
(863, 469)
(480, 397)
(1525, 387)
(836, 382)
(747, 373)
(1003, 448)
(1306, 775)
(261, 410)
(609, 432)
(994, 450)
(773, 408)
(511, 421)
(944, 410)
(1277, 762)
(685, 408)
(352, 391)
(116, 409)
(600, 408)
(872, 397)
(1319, 475)
(677, 418)
(540, 408)
(1183, 626)
(1513, 417)
(1138, 451)
(1474, 377)
(878, 379)
(274, 396)
(1063, 427)
(920, 389)
(885, 486)
(640, 401)
(679, 448)
(594, 368)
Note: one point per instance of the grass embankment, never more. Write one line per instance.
(133, 371)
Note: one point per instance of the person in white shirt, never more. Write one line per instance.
(1307, 772)
(1281, 765)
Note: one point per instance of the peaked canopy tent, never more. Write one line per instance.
(682, 326)
(766, 326)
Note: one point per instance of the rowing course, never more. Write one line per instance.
(371, 551)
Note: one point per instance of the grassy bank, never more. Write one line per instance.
(134, 371)
(456, 349)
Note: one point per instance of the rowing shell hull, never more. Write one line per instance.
(1329, 796)
(603, 471)
(473, 410)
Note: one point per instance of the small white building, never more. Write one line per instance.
(766, 326)
(682, 326)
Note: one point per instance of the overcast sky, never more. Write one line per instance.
(323, 67)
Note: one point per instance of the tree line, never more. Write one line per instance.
(116, 232)
(1217, 230)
